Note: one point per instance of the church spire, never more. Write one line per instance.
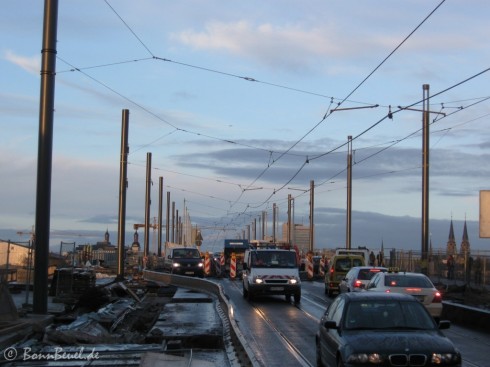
(451, 242)
(465, 243)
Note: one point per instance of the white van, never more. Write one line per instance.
(271, 271)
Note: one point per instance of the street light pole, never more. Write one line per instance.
(312, 221)
(349, 194)
(425, 174)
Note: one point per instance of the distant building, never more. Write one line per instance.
(102, 253)
(15, 257)
(451, 248)
(300, 236)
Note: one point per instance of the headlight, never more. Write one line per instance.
(176, 265)
(363, 358)
(293, 281)
(445, 358)
(200, 265)
(258, 280)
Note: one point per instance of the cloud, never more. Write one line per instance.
(288, 47)
(30, 64)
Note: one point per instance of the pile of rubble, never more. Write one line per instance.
(129, 323)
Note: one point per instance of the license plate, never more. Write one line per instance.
(189, 272)
(276, 289)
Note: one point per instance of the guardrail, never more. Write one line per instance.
(239, 346)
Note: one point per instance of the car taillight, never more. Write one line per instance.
(437, 298)
(357, 284)
(413, 290)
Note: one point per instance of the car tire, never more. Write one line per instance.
(245, 292)
(297, 298)
(319, 362)
(340, 363)
(249, 296)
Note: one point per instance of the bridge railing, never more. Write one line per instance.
(471, 268)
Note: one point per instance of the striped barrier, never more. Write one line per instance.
(207, 264)
(309, 267)
(222, 260)
(233, 266)
(321, 268)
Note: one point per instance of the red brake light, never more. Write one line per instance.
(413, 289)
(357, 283)
(437, 298)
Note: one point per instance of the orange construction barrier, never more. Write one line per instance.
(207, 264)
(309, 266)
(321, 268)
(233, 266)
(222, 260)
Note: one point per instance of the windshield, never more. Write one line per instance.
(270, 259)
(373, 314)
(187, 254)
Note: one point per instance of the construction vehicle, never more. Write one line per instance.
(339, 266)
(237, 247)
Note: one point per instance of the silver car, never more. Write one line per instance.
(358, 277)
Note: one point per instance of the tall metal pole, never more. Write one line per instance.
(167, 232)
(160, 214)
(177, 227)
(425, 174)
(349, 193)
(312, 221)
(147, 205)
(288, 239)
(274, 208)
(261, 237)
(173, 221)
(123, 184)
(45, 155)
(264, 213)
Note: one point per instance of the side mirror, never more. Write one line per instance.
(444, 324)
(330, 324)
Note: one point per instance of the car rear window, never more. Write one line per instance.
(343, 264)
(407, 281)
(367, 274)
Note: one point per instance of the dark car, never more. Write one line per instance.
(184, 261)
(382, 329)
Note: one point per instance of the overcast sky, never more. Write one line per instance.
(235, 101)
